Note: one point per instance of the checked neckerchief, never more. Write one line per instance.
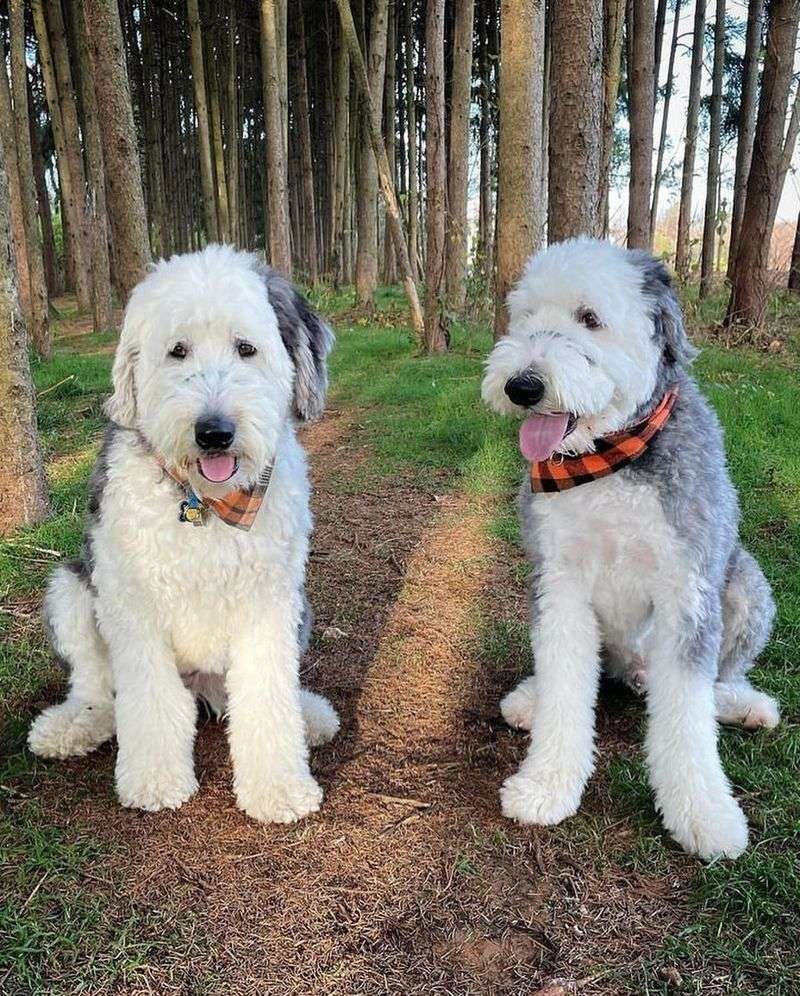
(237, 508)
(612, 453)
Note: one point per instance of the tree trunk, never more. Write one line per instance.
(640, 96)
(124, 196)
(9, 141)
(794, 270)
(390, 131)
(747, 125)
(662, 142)
(49, 259)
(520, 214)
(233, 130)
(341, 119)
(98, 217)
(436, 336)
(790, 140)
(367, 180)
(23, 487)
(751, 281)
(576, 118)
(203, 127)
(460, 105)
(413, 157)
(394, 217)
(218, 149)
(279, 235)
(712, 182)
(303, 128)
(613, 22)
(39, 327)
(658, 44)
(683, 248)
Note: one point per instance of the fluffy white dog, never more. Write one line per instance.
(191, 578)
(630, 521)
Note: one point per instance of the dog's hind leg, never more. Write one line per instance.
(86, 718)
(748, 612)
(516, 707)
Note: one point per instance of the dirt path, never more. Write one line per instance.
(409, 880)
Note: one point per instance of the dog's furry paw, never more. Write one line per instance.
(280, 801)
(154, 787)
(712, 829)
(516, 708)
(541, 800)
(762, 714)
(321, 719)
(71, 729)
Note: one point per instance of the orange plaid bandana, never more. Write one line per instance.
(612, 453)
(237, 508)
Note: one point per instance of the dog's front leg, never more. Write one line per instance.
(155, 717)
(566, 649)
(691, 790)
(267, 735)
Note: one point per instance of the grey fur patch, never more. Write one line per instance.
(307, 338)
(306, 627)
(668, 324)
(83, 565)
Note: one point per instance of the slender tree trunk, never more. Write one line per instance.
(790, 140)
(436, 336)
(395, 219)
(233, 130)
(613, 24)
(520, 214)
(124, 196)
(794, 269)
(9, 141)
(576, 118)
(341, 117)
(218, 149)
(460, 105)
(413, 158)
(49, 258)
(277, 190)
(658, 44)
(747, 125)
(662, 142)
(390, 131)
(303, 127)
(712, 182)
(98, 217)
(39, 327)
(683, 249)
(751, 281)
(203, 127)
(640, 95)
(23, 488)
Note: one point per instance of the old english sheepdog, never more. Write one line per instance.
(191, 577)
(630, 521)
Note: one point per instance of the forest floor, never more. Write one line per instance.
(409, 880)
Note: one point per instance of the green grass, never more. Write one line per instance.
(423, 423)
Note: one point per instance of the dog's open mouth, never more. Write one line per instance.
(540, 435)
(217, 468)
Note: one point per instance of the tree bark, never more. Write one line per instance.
(640, 95)
(520, 216)
(52, 274)
(712, 182)
(395, 219)
(751, 281)
(98, 215)
(39, 328)
(203, 127)
(218, 148)
(436, 336)
(413, 157)
(279, 234)
(794, 269)
(613, 23)
(124, 196)
(390, 131)
(460, 105)
(576, 118)
(747, 125)
(341, 119)
(662, 142)
(23, 487)
(233, 129)
(9, 140)
(683, 249)
(303, 126)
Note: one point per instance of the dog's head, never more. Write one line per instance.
(216, 353)
(595, 332)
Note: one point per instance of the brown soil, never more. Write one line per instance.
(409, 880)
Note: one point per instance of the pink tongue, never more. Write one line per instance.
(539, 435)
(217, 468)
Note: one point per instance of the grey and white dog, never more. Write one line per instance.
(642, 568)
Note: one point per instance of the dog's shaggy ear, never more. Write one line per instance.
(308, 340)
(667, 317)
(121, 406)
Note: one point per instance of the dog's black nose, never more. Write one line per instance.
(525, 390)
(214, 433)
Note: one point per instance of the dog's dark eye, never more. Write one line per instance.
(245, 349)
(589, 319)
(179, 351)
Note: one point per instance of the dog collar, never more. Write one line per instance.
(611, 453)
(237, 508)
